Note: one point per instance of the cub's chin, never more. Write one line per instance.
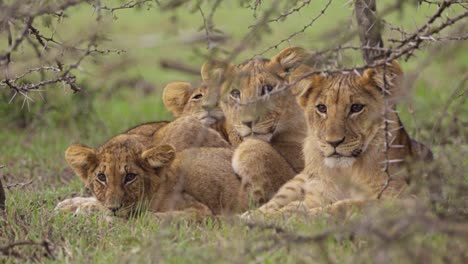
(339, 162)
(208, 120)
(263, 137)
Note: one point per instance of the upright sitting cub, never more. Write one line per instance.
(347, 143)
(257, 105)
(128, 173)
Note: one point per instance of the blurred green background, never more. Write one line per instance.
(124, 90)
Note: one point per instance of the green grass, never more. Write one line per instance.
(33, 143)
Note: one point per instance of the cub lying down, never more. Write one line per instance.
(125, 175)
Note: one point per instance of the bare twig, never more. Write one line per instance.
(128, 5)
(290, 12)
(178, 66)
(2, 194)
(9, 250)
(19, 184)
(312, 21)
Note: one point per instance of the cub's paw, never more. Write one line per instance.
(80, 205)
(251, 214)
(247, 215)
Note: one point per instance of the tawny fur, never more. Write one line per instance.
(266, 117)
(165, 180)
(351, 173)
(182, 134)
(201, 102)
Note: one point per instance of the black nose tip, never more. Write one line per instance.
(114, 209)
(248, 123)
(336, 143)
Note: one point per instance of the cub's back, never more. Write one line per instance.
(207, 175)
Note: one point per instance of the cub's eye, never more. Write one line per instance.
(197, 96)
(356, 108)
(322, 108)
(267, 88)
(101, 177)
(130, 177)
(235, 94)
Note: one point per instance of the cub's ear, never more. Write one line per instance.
(81, 159)
(388, 77)
(289, 58)
(305, 85)
(176, 95)
(159, 156)
(215, 71)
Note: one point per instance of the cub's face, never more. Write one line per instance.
(121, 174)
(254, 97)
(181, 99)
(345, 111)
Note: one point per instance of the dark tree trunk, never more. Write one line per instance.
(369, 27)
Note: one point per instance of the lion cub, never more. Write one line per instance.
(128, 174)
(352, 131)
(201, 102)
(264, 113)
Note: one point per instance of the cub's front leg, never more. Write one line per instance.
(81, 205)
(261, 168)
(183, 205)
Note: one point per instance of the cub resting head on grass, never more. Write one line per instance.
(131, 172)
(351, 120)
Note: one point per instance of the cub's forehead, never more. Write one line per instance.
(250, 76)
(344, 87)
(118, 162)
(121, 151)
(200, 88)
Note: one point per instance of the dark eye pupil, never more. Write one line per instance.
(356, 108)
(197, 96)
(101, 177)
(235, 93)
(267, 88)
(322, 108)
(129, 177)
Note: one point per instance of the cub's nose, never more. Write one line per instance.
(336, 143)
(249, 122)
(208, 106)
(114, 209)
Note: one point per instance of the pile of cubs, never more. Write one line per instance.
(268, 136)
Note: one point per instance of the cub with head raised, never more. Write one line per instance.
(355, 140)
(258, 104)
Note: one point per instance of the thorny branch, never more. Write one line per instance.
(312, 21)
(46, 48)
(9, 250)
